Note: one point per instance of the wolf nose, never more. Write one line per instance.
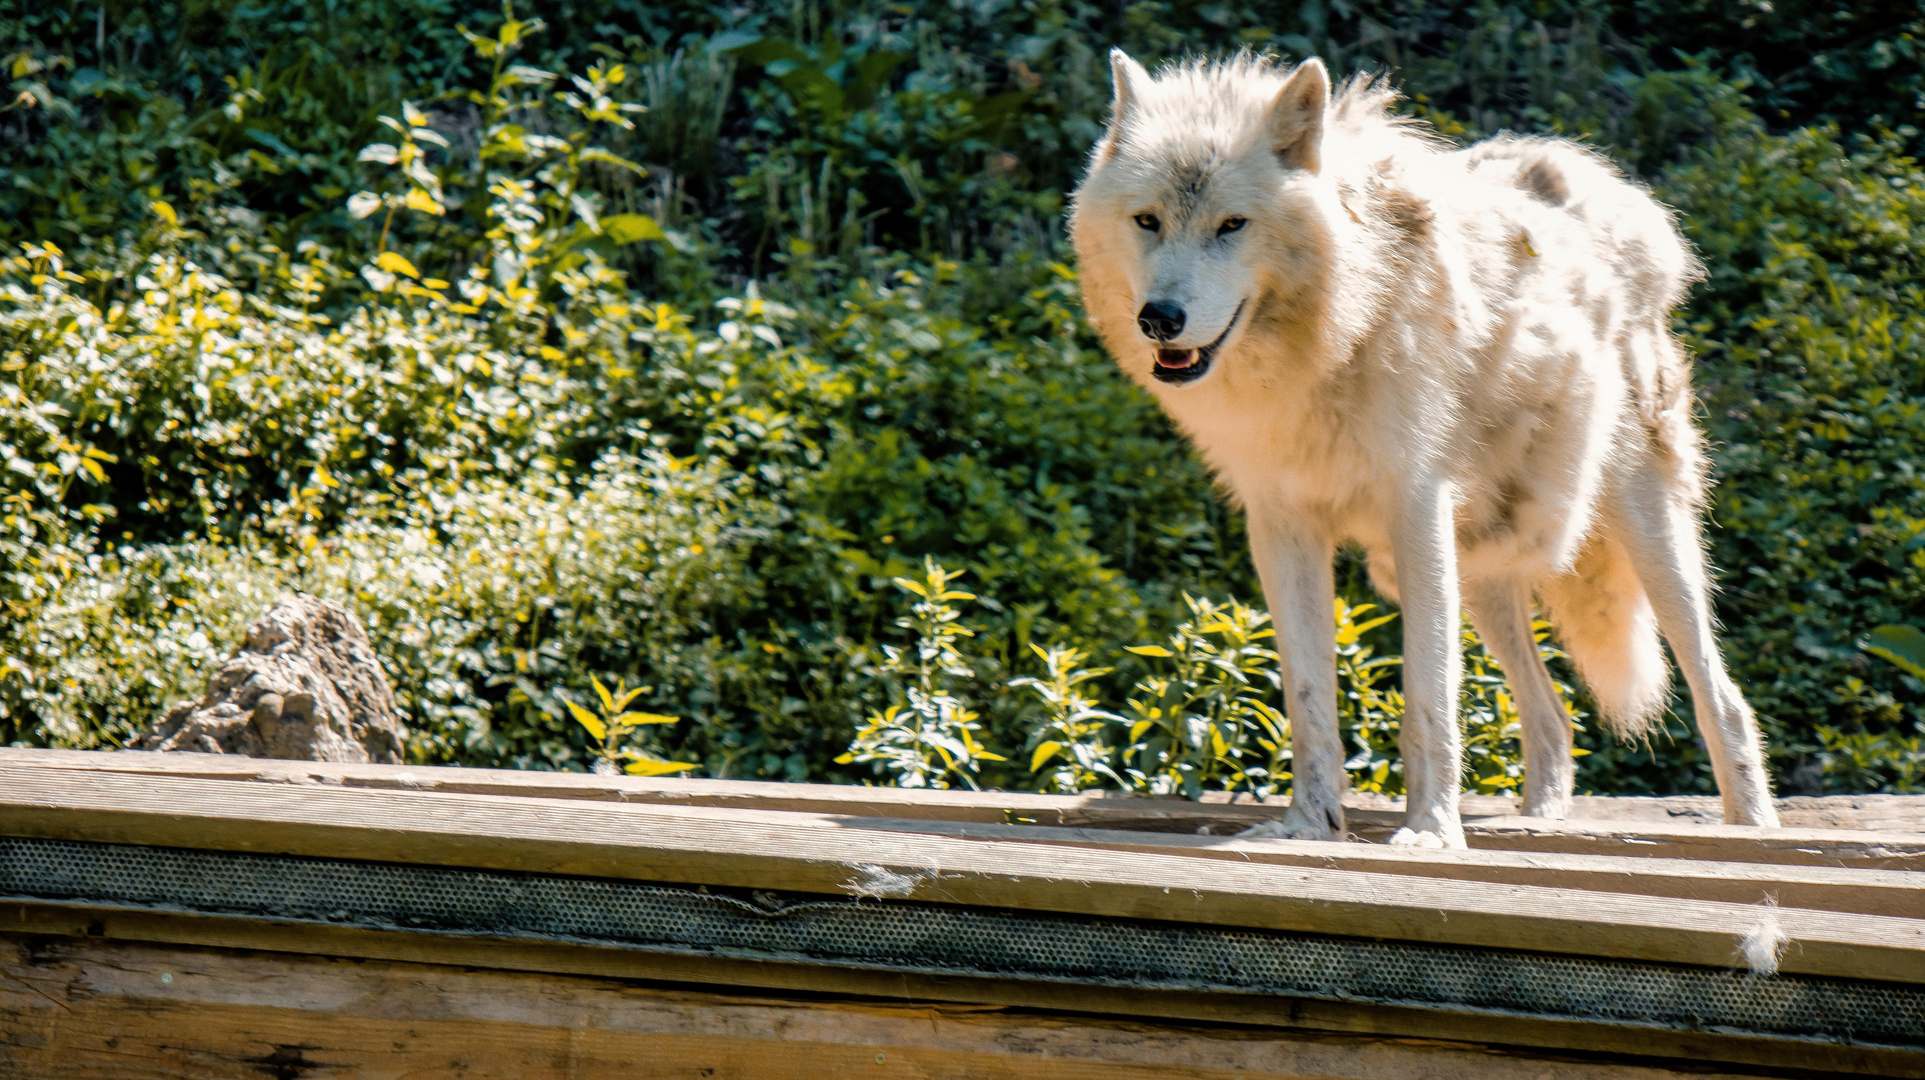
(1160, 320)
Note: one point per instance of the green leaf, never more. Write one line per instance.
(609, 157)
(1149, 650)
(629, 228)
(608, 703)
(761, 51)
(1044, 751)
(728, 40)
(588, 720)
(623, 697)
(1902, 645)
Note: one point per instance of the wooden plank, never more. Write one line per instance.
(716, 848)
(1870, 892)
(1702, 1048)
(1659, 833)
(86, 1010)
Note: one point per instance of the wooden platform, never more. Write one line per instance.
(208, 916)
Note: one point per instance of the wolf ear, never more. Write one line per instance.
(1295, 120)
(1130, 79)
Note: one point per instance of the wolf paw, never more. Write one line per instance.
(1435, 826)
(1758, 811)
(1552, 807)
(1293, 825)
(1428, 838)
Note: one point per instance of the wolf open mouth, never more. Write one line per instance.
(1179, 366)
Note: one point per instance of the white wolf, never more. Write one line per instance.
(1459, 359)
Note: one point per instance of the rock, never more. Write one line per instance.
(305, 685)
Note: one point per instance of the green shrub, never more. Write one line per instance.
(543, 418)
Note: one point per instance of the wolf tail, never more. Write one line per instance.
(1605, 622)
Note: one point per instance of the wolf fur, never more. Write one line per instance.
(1460, 360)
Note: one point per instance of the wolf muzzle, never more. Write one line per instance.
(1180, 366)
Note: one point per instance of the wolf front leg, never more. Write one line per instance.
(1424, 543)
(1294, 562)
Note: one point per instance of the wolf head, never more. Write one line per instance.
(1204, 218)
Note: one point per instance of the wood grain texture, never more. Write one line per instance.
(1701, 1048)
(717, 847)
(1832, 831)
(106, 1011)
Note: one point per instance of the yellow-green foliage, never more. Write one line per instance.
(651, 345)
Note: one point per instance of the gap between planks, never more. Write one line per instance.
(769, 852)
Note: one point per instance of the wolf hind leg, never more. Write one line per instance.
(1501, 611)
(1657, 524)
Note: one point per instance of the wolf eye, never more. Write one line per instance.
(1148, 221)
(1229, 225)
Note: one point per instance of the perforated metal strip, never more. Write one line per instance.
(940, 939)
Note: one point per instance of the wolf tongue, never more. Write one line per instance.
(1175, 358)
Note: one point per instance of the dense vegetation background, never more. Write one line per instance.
(650, 342)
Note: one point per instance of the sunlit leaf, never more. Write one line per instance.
(1902, 645)
(588, 720)
(638, 719)
(596, 154)
(1044, 751)
(658, 768)
(630, 228)
(418, 199)
(395, 264)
